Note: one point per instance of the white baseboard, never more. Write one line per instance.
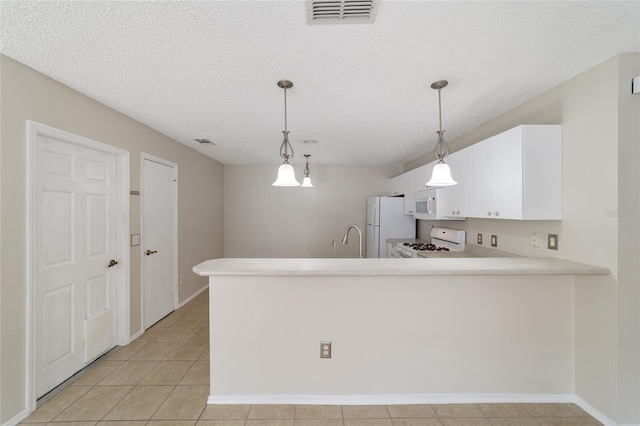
(397, 399)
(16, 419)
(193, 296)
(595, 413)
(392, 399)
(135, 336)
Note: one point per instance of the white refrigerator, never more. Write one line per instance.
(386, 220)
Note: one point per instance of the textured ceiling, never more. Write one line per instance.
(208, 69)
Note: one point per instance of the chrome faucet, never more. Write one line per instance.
(345, 239)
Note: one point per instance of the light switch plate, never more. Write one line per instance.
(494, 241)
(135, 240)
(552, 242)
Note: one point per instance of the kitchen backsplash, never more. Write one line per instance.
(513, 236)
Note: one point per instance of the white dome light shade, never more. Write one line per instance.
(306, 182)
(286, 176)
(441, 176)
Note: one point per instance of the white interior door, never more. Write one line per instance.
(75, 241)
(159, 236)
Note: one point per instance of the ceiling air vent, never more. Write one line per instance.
(204, 141)
(341, 11)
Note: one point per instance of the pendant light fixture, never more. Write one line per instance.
(441, 175)
(286, 174)
(306, 182)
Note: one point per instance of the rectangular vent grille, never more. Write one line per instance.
(341, 11)
(204, 141)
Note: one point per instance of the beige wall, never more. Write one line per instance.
(600, 135)
(28, 95)
(629, 242)
(265, 221)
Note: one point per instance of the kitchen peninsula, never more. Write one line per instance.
(402, 330)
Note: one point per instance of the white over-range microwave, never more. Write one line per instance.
(429, 205)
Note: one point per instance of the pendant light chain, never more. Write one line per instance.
(442, 149)
(285, 109)
(285, 146)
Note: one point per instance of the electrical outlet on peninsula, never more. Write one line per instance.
(325, 349)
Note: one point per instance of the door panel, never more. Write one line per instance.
(57, 314)
(75, 237)
(97, 295)
(57, 227)
(158, 234)
(97, 212)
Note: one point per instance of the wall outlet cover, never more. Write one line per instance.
(535, 240)
(479, 238)
(325, 349)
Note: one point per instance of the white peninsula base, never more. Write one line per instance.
(402, 331)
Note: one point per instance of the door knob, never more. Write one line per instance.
(112, 262)
(151, 252)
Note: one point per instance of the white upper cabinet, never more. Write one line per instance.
(409, 183)
(518, 174)
(457, 200)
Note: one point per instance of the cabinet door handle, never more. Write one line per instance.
(151, 252)
(488, 213)
(496, 213)
(112, 262)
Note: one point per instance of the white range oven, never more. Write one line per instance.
(443, 240)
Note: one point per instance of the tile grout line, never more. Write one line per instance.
(116, 404)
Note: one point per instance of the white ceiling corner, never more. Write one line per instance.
(208, 69)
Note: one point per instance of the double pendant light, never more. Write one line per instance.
(441, 175)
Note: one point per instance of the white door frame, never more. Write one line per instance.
(144, 156)
(123, 250)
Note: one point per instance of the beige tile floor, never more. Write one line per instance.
(162, 379)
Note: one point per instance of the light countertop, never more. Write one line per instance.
(395, 267)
